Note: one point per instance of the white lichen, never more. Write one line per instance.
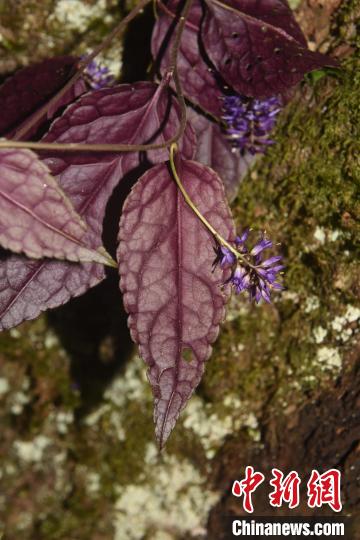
(329, 358)
(93, 483)
(18, 402)
(311, 304)
(32, 451)
(292, 296)
(129, 386)
(15, 333)
(126, 387)
(340, 323)
(320, 235)
(206, 425)
(4, 386)
(172, 500)
(335, 235)
(352, 314)
(51, 340)
(63, 419)
(77, 16)
(319, 334)
(116, 422)
(212, 428)
(93, 418)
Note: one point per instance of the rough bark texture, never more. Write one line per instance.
(77, 453)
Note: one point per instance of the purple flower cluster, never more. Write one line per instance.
(250, 272)
(98, 76)
(249, 121)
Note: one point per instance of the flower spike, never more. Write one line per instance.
(249, 271)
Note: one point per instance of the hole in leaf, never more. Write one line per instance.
(277, 50)
(187, 355)
(248, 67)
(227, 61)
(234, 35)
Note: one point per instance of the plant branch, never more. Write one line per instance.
(81, 68)
(173, 69)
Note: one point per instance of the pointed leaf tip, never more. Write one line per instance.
(257, 47)
(174, 298)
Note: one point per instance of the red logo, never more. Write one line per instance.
(325, 489)
(285, 489)
(247, 486)
(321, 489)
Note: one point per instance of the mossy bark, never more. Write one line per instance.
(77, 454)
(298, 363)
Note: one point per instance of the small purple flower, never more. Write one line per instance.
(224, 257)
(240, 279)
(249, 121)
(250, 272)
(98, 76)
(240, 241)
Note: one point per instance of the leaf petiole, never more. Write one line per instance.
(217, 236)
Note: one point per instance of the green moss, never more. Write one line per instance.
(125, 459)
(305, 193)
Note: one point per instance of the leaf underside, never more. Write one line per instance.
(28, 287)
(174, 299)
(36, 217)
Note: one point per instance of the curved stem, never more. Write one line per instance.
(173, 69)
(204, 221)
(81, 68)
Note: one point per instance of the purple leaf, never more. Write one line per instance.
(197, 78)
(139, 113)
(214, 150)
(28, 287)
(123, 114)
(24, 93)
(274, 12)
(36, 217)
(174, 298)
(257, 47)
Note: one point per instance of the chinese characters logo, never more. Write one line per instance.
(321, 489)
